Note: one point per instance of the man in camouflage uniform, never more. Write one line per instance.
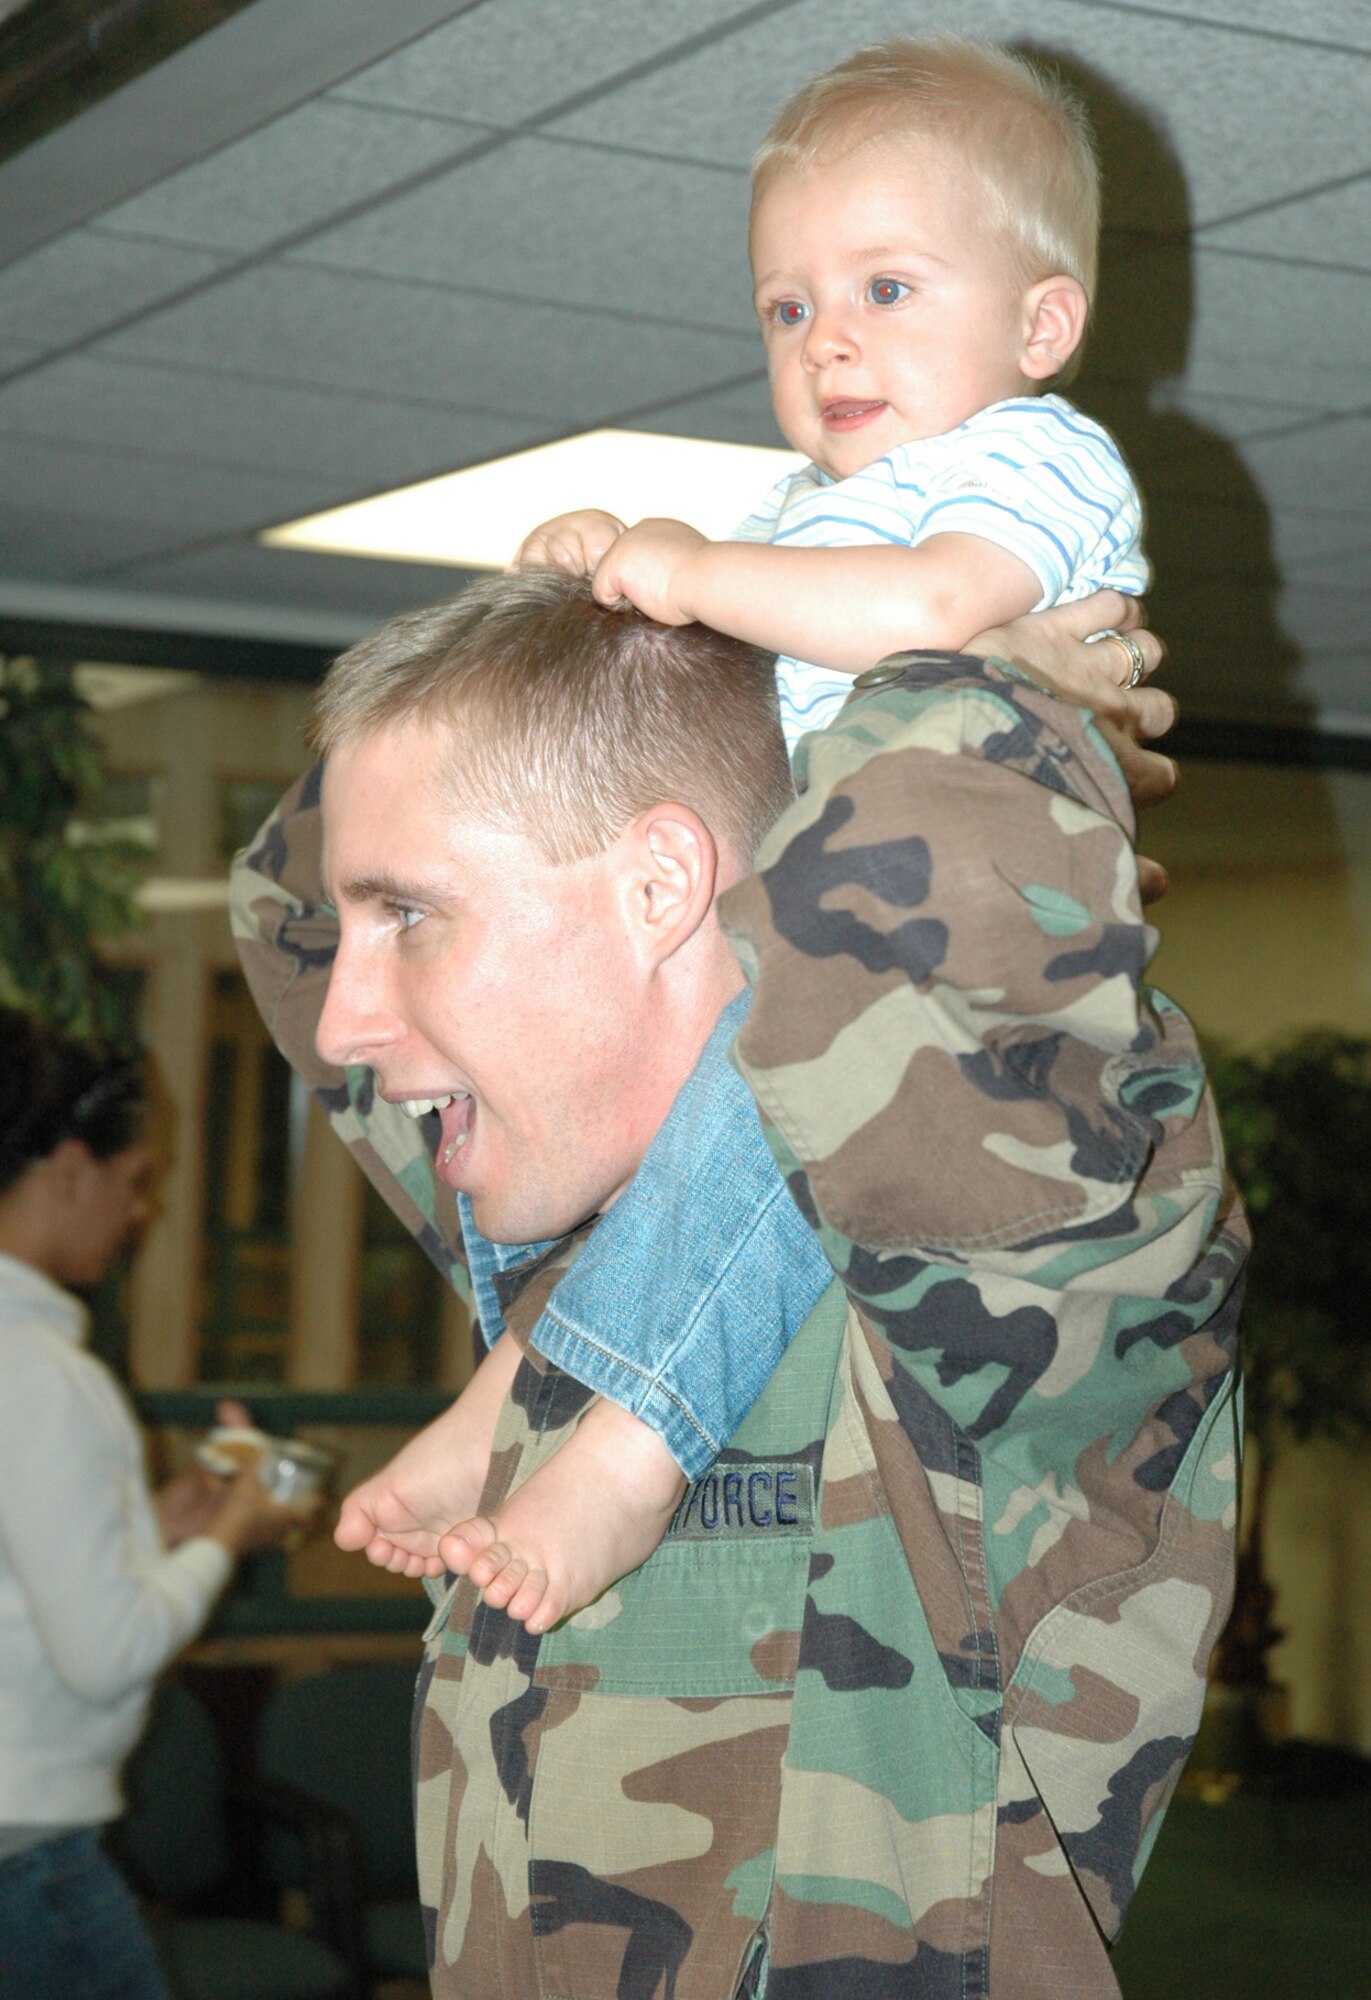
(897, 1705)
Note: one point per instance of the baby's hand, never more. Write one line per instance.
(647, 568)
(573, 542)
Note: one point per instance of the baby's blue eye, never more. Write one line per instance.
(790, 312)
(886, 291)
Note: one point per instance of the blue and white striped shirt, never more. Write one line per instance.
(1033, 475)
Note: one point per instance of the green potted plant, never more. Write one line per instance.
(63, 886)
(1297, 1120)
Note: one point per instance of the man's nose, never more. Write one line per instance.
(353, 1024)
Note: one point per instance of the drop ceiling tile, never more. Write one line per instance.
(1238, 326)
(502, 64)
(1327, 465)
(38, 544)
(190, 498)
(364, 592)
(1327, 617)
(1332, 227)
(1226, 639)
(738, 416)
(1301, 537)
(1195, 542)
(363, 441)
(1231, 417)
(16, 354)
(86, 280)
(325, 328)
(1333, 684)
(613, 231)
(1341, 558)
(1250, 117)
(296, 171)
(1343, 23)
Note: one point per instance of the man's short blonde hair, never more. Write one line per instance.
(1020, 130)
(568, 720)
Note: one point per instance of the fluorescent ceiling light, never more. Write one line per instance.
(476, 519)
(105, 686)
(172, 895)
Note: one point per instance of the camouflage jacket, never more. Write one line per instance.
(896, 1706)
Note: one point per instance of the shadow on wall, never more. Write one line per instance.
(1208, 528)
(1217, 584)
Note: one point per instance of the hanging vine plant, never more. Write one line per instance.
(63, 887)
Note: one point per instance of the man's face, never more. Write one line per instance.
(470, 967)
(889, 309)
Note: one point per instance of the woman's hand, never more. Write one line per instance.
(187, 1504)
(248, 1518)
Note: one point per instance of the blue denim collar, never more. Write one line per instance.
(703, 1103)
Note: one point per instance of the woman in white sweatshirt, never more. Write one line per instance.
(101, 1583)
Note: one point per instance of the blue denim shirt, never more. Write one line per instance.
(693, 1284)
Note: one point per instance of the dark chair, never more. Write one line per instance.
(342, 1739)
(180, 1844)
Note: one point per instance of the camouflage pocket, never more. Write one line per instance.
(651, 1831)
(656, 1787)
(703, 1618)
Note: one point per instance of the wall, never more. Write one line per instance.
(1266, 931)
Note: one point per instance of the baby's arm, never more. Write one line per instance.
(840, 608)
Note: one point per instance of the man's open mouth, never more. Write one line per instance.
(456, 1110)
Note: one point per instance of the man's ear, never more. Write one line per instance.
(668, 881)
(1055, 313)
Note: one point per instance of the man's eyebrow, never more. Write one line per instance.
(389, 888)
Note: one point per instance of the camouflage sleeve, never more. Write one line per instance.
(286, 932)
(1001, 1134)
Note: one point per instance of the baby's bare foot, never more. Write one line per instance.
(398, 1515)
(596, 1510)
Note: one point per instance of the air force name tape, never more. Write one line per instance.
(762, 1499)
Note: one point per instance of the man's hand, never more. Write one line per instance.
(648, 567)
(397, 1516)
(1050, 647)
(573, 542)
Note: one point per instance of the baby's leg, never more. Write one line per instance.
(593, 1512)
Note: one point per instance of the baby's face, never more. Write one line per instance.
(889, 308)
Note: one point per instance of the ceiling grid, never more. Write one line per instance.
(527, 218)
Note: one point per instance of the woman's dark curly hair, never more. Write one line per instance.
(53, 1088)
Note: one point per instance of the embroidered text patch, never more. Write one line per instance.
(765, 1498)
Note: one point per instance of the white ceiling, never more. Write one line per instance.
(332, 247)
